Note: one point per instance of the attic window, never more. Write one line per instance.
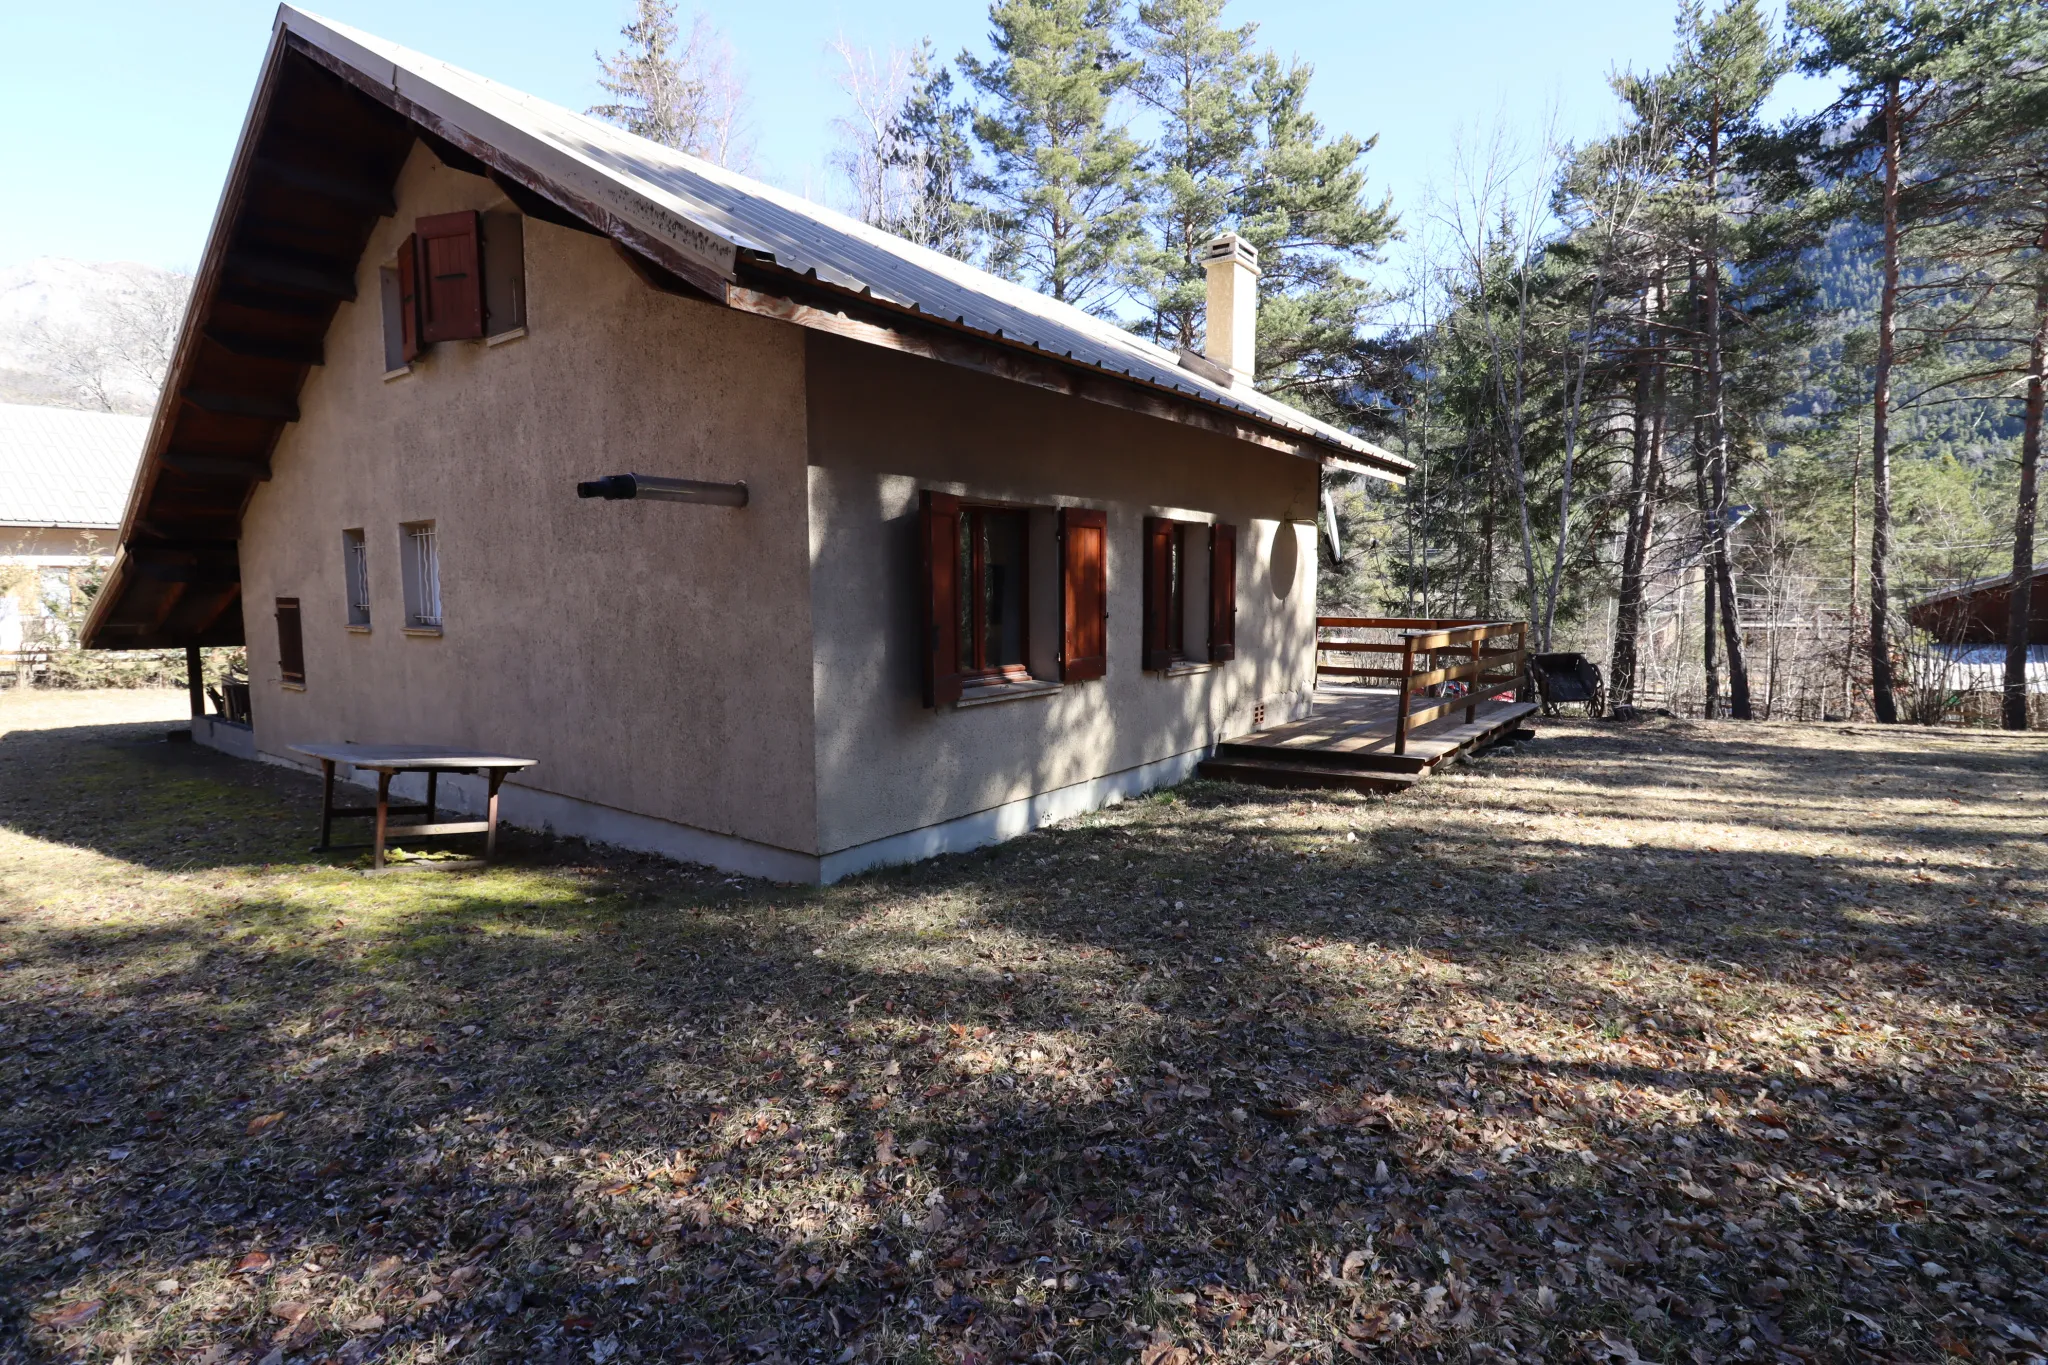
(504, 265)
(398, 291)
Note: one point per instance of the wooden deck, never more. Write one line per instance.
(1348, 742)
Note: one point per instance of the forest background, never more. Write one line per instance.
(1711, 398)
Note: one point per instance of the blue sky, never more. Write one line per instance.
(123, 112)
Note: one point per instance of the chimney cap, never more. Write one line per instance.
(1228, 246)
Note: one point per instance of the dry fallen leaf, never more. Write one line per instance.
(254, 1263)
(371, 1322)
(264, 1121)
(73, 1314)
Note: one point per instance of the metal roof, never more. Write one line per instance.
(62, 467)
(710, 214)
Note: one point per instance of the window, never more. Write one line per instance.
(291, 643)
(460, 276)
(355, 569)
(975, 566)
(1178, 577)
(503, 247)
(422, 561)
(398, 291)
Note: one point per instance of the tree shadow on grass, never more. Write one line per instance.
(596, 1106)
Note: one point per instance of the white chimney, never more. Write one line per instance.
(1231, 331)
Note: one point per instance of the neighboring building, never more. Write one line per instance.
(1970, 623)
(999, 561)
(64, 478)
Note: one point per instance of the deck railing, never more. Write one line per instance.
(1410, 656)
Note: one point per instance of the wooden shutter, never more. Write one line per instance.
(938, 548)
(409, 300)
(291, 642)
(1084, 594)
(1158, 592)
(451, 280)
(1222, 593)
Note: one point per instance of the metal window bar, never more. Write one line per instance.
(426, 568)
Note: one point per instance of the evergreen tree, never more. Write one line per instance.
(1196, 75)
(928, 144)
(1306, 209)
(1064, 182)
(1891, 53)
(1987, 251)
(688, 97)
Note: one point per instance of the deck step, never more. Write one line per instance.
(1357, 761)
(1324, 776)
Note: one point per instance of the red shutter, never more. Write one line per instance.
(291, 642)
(938, 548)
(409, 299)
(1158, 592)
(1084, 594)
(451, 282)
(1222, 593)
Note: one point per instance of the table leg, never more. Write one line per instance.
(432, 778)
(326, 801)
(491, 834)
(383, 812)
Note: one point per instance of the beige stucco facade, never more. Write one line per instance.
(734, 685)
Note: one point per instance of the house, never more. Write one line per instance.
(951, 559)
(64, 476)
(1969, 624)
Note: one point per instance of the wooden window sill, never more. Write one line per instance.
(982, 694)
(290, 686)
(502, 337)
(355, 628)
(1180, 668)
(424, 632)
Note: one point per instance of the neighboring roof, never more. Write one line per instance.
(1978, 612)
(712, 215)
(62, 467)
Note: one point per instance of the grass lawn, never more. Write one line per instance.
(1693, 1041)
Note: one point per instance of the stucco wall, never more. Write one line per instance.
(652, 656)
(882, 427)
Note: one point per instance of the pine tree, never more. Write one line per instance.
(1064, 181)
(1987, 249)
(1891, 53)
(1728, 64)
(1307, 211)
(690, 98)
(928, 145)
(1196, 75)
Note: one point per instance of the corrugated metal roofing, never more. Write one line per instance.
(706, 212)
(60, 467)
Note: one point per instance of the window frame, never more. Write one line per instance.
(419, 549)
(291, 642)
(1165, 635)
(355, 574)
(977, 671)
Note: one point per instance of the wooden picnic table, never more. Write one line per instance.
(387, 760)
